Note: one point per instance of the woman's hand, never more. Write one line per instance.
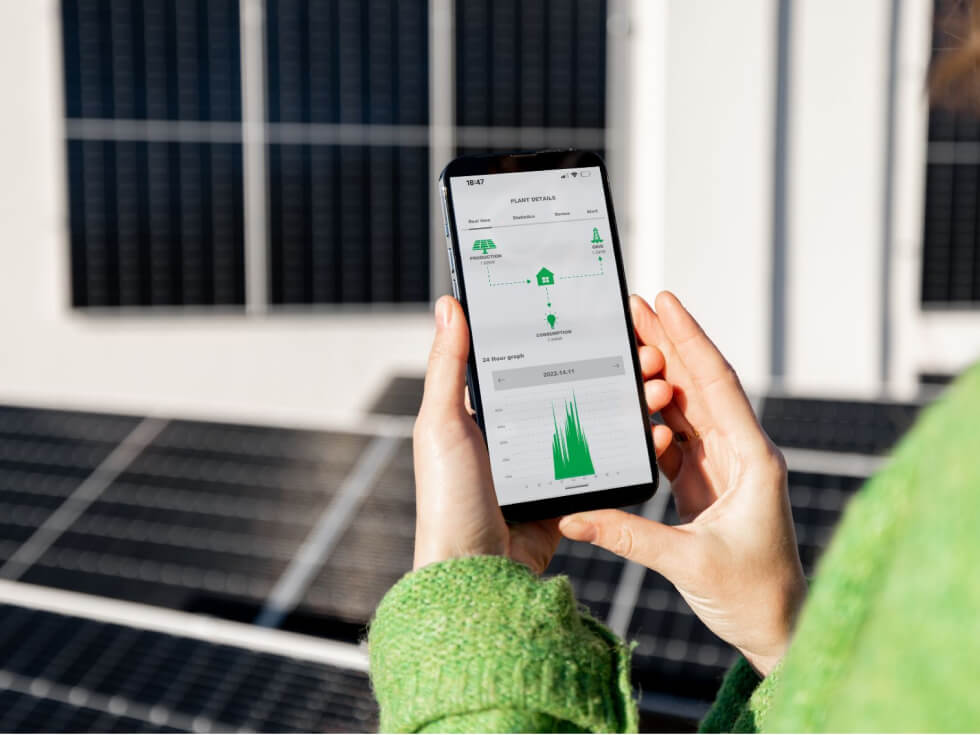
(456, 509)
(734, 558)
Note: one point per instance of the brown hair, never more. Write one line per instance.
(954, 80)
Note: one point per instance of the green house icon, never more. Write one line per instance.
(546, 277)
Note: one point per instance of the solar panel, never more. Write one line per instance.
(594, 573)
(348, 223)
(207, 517)
(153, 223)
(64, 673)
(818, 501)
(529, 65)
(375, 550)
(533, 64)
(44, 456)
(951, 248)
(867, 427)
(402, 396)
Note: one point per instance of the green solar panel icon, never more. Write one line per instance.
(484, 245)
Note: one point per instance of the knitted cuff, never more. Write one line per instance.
(736, 689)
(743, 700)
(484, 634)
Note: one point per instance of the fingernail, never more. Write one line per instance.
(577, 528)
(443, 313)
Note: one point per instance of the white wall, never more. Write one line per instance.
(311, 370)
(838, 107)
(839, 78)
(718, 173)
(636, 81)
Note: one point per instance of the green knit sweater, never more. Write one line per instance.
(889, 639)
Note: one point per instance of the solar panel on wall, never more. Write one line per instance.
(531, 64)
(349, 222)
(153, 221)
(950, 243)
(536, 64)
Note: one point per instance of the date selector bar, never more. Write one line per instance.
(559, 372)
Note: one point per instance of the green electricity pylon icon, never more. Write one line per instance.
(595, 235)
(484, 245)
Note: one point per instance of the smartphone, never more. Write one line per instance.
(553, 375)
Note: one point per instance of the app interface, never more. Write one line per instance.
(550, 338)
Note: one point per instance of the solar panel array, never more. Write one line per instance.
(207, 517)
(156, 209)
(951, 246)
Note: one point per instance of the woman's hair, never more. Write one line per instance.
(954, 80)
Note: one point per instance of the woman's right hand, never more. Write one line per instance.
(734, 558)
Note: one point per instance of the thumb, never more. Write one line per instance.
(445, 376)
(652, 544)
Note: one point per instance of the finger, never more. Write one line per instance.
(466, 401)
(674, 418)
(651, 361)
(713, 377)
(534, 543)
(658, 394)
(669, 459)
(445, 376)
(651, 332)
(646, 542)
(662, 439)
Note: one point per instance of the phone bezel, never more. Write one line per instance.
(544, 161)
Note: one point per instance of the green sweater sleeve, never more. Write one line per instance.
(482, 645)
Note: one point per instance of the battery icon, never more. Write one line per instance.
(583, 174)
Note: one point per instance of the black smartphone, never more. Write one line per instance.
(554, 376)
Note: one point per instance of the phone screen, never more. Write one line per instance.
(551, 341)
